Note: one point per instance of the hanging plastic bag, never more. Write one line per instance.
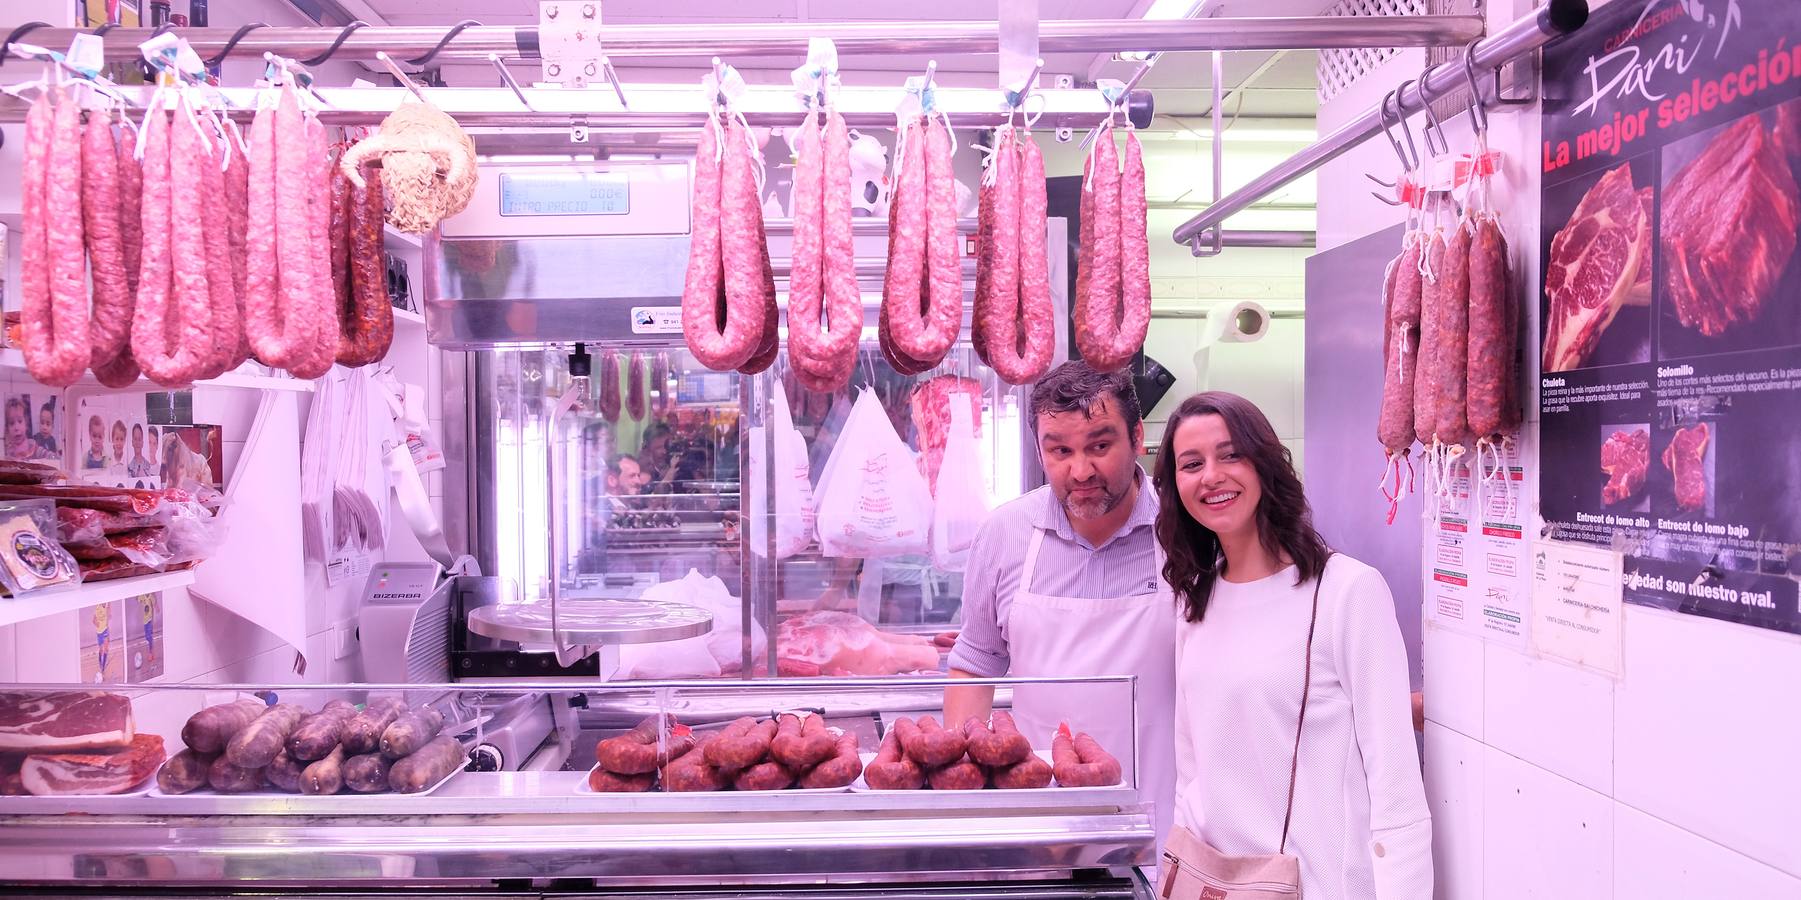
(793, 482)
(954, 524)
(873, 503)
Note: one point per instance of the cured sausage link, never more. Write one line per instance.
(943, 315)
(294, 234)
(906, 247)
(749, 282)
(150, 345)
(720, 337)
(843, 297)
(228, 328)
(369, 320)
(1000, 314)
(265, 319)
(1028, 355)
(1098, 328)
(1134, 259)
(806, 274)
(1491, 350)
(110, 327)
(52, 222)
(317, 301)
(1452, 356)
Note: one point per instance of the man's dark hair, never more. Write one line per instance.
(614, 467)
(1076, 386)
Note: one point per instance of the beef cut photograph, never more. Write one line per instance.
(1687, 459)
(1727, 235)
(1592, 267)
(1625, 457)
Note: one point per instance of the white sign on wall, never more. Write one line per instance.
(1576, 597)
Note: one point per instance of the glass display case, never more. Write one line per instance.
(498, 787)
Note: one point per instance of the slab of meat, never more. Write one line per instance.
(1624, 457)
(1729, 228)
(837, 643)
(62, 722)
(1594, 261)
(102, 772)
(1684, 458)
(1640, 295)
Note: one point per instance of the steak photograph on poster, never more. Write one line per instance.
(1670, 306)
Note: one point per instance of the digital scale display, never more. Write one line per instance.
(563, 193)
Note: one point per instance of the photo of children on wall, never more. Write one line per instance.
(102, 643)
(120, 447)
(144, 637)
(33, 428)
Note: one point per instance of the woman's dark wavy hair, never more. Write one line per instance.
(1284, 522)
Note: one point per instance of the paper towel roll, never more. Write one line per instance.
(1235, 323)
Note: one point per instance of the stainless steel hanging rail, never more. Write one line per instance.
(1558, 18)
(739, 40)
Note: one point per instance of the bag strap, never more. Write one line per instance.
(1294, 765)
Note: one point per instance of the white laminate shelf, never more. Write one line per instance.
(13, 359)
(392, 235)
(14, 610)
(408, 317)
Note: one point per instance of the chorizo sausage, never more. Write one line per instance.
(209, 730)
(1027, 774)
(284, 772)
(1134, 259)
(1098, 322)
(255, 746)
(643, 748)
(987, 193)
(184, 772)
(769, 346)
(907, 264)
(222, 297)
(843, 329)
(366, 773)
(741, 744)
(269, 325)
(891, 769)
(720, 337)
(426, 766)
(1452, 356)
(338, 239)
(602, 781)
(56, 339)
(226, 778)
(764, 776)
(1394, 423)
(749, 282)
(998, 743)
(997, 265)
(192, 297)
(294, 237)
(324, 776)
(801, 742)
(131, 203)
(1426, 375)
(1489, 366)
(109, 328)
(928, 743)
(609, 385)
(1035, 330)
(362, 734)
(634, 386)
(806, 266)
(318, 733)
(1079, 761)
(1408, 281)
(845, 764)
(693, 772)
(924, 331)
(410, 732)
(368, 323)
(320, 349)
(962, 775)
(237, 214)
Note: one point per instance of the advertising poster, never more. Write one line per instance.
(102, 645)
(1670, 341)
(144, 637)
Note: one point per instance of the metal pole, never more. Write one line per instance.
(789, 39)
(1517, 40)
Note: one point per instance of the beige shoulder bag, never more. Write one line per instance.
(1193, 870)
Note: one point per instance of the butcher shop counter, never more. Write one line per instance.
(537, 827)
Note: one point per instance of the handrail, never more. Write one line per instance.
(1558, 18)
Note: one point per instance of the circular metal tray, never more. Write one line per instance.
(592, 622)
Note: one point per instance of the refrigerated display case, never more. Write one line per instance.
(539, 828)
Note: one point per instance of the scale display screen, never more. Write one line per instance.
(564, 193)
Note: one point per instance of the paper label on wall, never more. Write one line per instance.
(1576, 596)
(656, 320)
(102, 643)
(1474, 581)
(143, 637)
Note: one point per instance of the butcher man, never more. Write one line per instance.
(1066, 581)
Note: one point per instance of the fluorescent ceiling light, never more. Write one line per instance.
(1171, 9)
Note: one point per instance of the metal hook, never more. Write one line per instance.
(931, 72)
(1406, 130)
(1382, 116)
(1432, 125)
(1478, 114)
(718, 81)
(406, 80)
(606, 65)
(1017, 99)
(507, 77)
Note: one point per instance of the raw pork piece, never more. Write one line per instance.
(1684, 457)
(106, 772)
(837, 643)
(1624, 457)
(1594, 262)
(72, 720)
(1729, 228)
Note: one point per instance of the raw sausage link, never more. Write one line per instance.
(185, 771)
(228, 329)
(366, 773)
(284, 772)
(256, 745)
(426, 766)
(271, 329)
(294, 237)
(1425, 382)
(801, 743)
(318, 733)
(1134, 259)
(209, 730)
(368, 324)
(324, 776)
(411, 731)
(1028, 774)
(602, 781)
(1079, 761)
(891, 770)
(1452, 421)
(110, 327)
(843, 297)
(362, 734)
(742, 247)
(227, 778)
(929, 744)
(926, 335)
(1491, 348)
(845, 764)
(961, 775)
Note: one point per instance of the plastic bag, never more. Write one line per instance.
(794, 513)
(873, 503)
(719, 652)
(954, 524)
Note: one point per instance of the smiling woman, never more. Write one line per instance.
(1324, 792)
